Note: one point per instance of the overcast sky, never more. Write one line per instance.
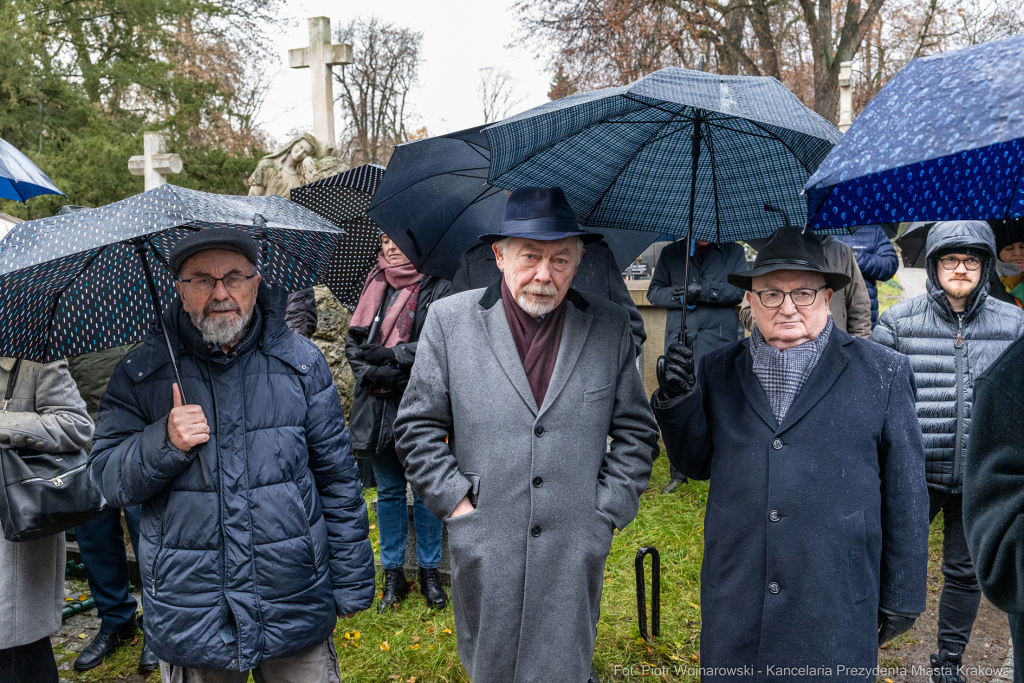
(459, 37)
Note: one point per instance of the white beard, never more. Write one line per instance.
(221, 331)
(537, 309)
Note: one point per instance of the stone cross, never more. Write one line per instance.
(155, 163)
(319, 57)
(845, 95)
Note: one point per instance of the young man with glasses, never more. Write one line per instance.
(248, 566)
(951, 335)
(816, 529)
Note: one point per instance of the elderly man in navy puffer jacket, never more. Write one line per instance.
(253, 531)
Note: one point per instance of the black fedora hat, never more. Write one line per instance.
(539, 213)
(790, 248)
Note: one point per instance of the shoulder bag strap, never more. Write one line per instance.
(10, 383)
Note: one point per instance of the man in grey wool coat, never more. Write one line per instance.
(504, 432)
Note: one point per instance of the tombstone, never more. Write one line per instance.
(319, 57)
(155, 163)
(845, 95)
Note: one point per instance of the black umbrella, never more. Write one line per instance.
(343, 200)
(97, 278)
(911, 242)
(435, 202)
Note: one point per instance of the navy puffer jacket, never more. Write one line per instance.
(259, 564)
(925, 328)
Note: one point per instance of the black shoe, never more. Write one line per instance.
(672, 485)
(395, 589)
(148, 662)
(430, 586)
(947, 667)
(101, 647)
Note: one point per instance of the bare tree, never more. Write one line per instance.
(374, 89)
(498, 91)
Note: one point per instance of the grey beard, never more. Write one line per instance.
(221, 331)
(536, 310)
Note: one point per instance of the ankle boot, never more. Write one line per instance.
(395, 589)
(430, 586)
(947, 667)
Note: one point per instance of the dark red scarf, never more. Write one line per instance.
(537, 341)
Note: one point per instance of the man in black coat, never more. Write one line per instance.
(994, 491)
(711, 319)
(816, 529)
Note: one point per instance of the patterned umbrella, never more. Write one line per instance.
(343, 200)
(20, 179)
(92, 279)
(943, 140)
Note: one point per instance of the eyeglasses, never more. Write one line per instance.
(952, 262)
(232, 283)
(773, 298)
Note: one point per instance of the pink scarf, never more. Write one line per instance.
(396, 327)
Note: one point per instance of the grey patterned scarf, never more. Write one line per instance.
(782, 373)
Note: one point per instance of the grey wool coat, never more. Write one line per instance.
(47, 414)
(528, 562)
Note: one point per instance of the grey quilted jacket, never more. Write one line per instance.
(948, 352)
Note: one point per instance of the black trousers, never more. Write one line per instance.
(32, 663)
(961, 593)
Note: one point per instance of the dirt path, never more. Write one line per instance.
(989, 657)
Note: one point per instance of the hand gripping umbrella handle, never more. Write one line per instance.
(141, 249)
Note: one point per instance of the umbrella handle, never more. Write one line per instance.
(142, 249)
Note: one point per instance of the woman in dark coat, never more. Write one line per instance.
(381, 348)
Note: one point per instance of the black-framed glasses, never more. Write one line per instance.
(232, 283)
(773, 298)
(952, 262)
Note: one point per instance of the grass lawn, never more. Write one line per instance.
(417, 645)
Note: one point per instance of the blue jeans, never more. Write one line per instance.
(101, 542)
(393, 517)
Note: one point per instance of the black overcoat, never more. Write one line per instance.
(811, 525)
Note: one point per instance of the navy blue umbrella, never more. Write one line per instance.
(98, 278)
(941, 141)
(20, 179)
(435, 202)
(343, 200)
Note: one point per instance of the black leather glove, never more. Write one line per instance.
(693, 291)
(892, 625)
(385, 377)
(374, 354)
(678, 377)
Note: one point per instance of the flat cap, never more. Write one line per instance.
(232, 239)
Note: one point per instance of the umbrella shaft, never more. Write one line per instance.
(694, 163)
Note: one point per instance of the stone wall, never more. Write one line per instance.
(332, 326)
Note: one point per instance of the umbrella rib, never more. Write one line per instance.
(714, 184)
(784, 144)
(744, 132)
(622, 170)
(478, 198)
(375, 204)
(64, 290)
(656, 107)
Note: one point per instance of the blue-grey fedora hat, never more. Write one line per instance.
(539, 213)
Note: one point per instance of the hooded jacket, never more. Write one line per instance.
(949, 351)
(258, 564)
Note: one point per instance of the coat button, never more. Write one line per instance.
(777, 444)
(537, 481)
(535, 531)
(774, 515)
(773, 587)
(539, 431)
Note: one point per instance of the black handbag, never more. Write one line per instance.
(43, 493)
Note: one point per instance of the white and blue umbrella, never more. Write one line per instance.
(943, 140)
(20, 179)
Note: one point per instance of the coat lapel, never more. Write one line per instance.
(752, 388)
(825, 373)
(504, 346)
(574, 336)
